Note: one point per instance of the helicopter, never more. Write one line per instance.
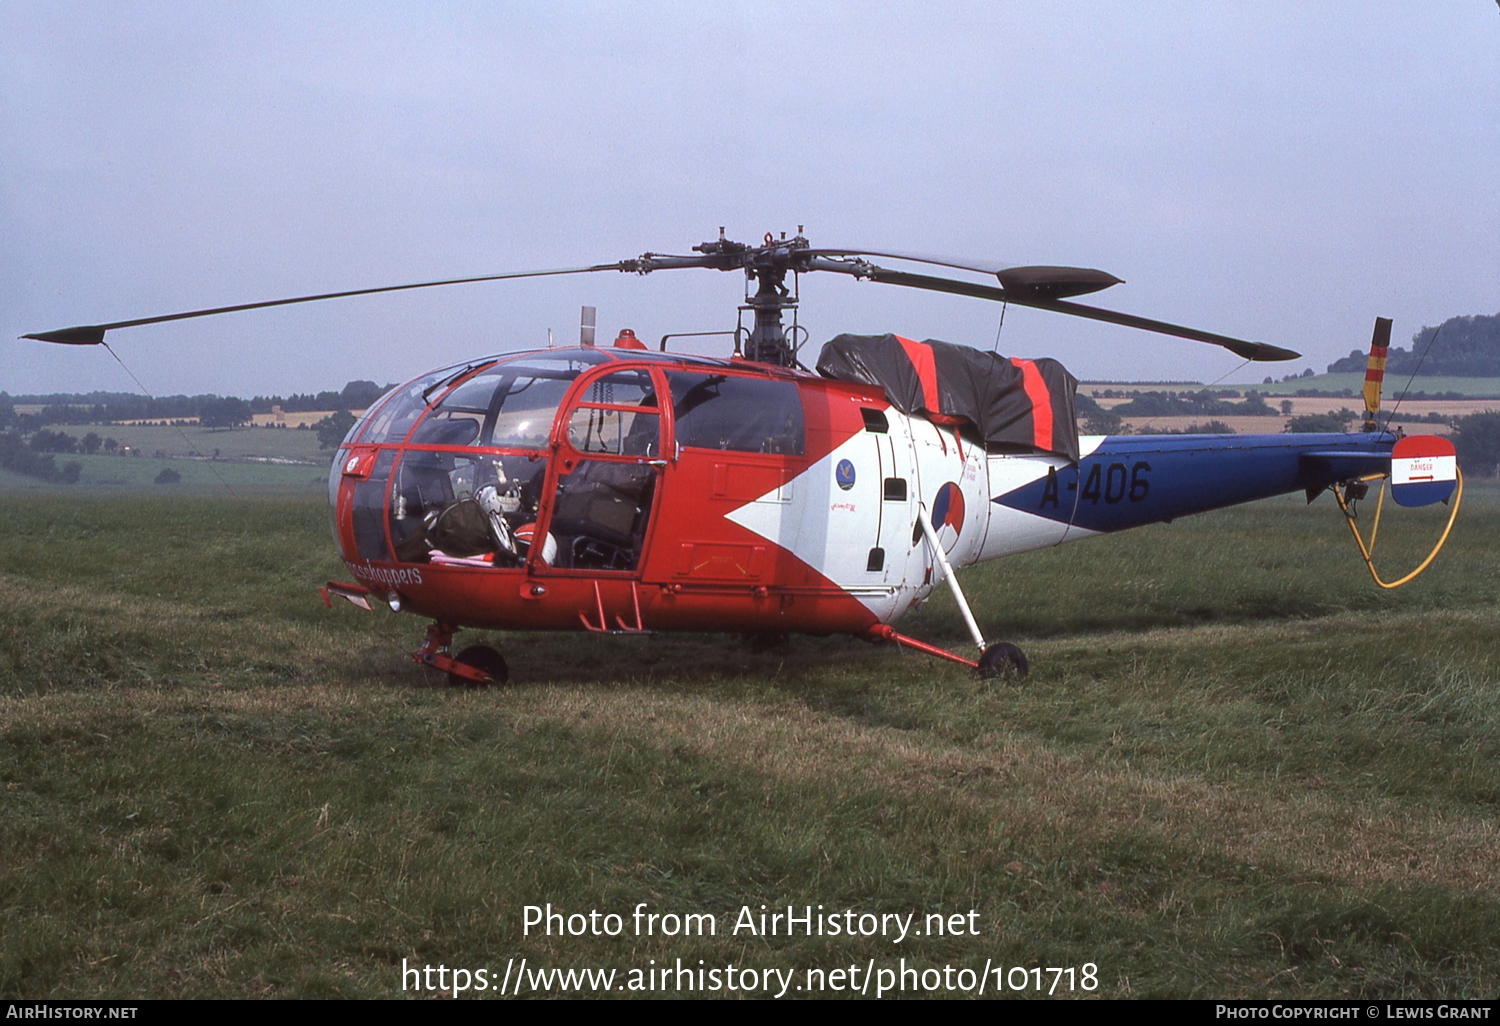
(623, 490)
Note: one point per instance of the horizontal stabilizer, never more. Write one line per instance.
(1342, 465)
(1346, 465)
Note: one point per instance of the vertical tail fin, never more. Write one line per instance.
(1375, 369)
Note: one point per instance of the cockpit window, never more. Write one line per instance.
(509, 405)
(573, 359)
(617, 415)
(391, 420)
(525, 402)
(622, 388)
(723, 411)
(464, 506)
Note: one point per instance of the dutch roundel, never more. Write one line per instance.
(948, 512)
(1424, 470)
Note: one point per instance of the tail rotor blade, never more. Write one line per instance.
(1380, 344)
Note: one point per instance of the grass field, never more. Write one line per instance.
(104, 476)
(1473, 388)
(1395, 385)
(284, 443)
(1238, 769)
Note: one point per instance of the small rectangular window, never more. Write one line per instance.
(875, 421)
(895, 489)
(876, 561)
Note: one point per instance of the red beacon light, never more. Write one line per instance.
(627, 340)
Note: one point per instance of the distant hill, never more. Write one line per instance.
(1467, 347)
(108, 407)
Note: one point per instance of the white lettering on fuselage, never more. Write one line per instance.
(368, 574)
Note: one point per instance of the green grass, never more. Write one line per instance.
(279, 443)
(1469, 388)
(250, 460)
(1395, 384)
(1238, 769)
(114, 475)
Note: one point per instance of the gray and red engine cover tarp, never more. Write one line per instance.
(1026, 404)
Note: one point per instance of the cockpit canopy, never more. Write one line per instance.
(512, 403)
(455, 466)
(509, 403)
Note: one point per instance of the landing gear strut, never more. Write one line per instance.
(474, 667)
(994, 660)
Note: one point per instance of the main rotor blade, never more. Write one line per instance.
(1042, 282)
(978, 266)
(1256, 351)
(93, 334)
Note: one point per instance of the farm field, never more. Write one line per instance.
(276, 443)
(295, 420)
(1274, 425)
(1307, 404)
(114, 475)
(1302, 405)
(1237, 770)
(1395, 384)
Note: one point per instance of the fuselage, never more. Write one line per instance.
(629, 490)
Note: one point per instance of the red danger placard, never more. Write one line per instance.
(1424, 470)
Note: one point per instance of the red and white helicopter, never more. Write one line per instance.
(623, 490)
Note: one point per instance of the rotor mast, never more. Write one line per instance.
(767, 266)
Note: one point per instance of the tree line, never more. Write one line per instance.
(29, 446)
(1465, 347)
(209, 410)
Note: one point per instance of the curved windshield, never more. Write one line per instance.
(509, 405)
(391, 419)
(505, 404)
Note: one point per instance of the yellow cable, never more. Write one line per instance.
(1366, 552)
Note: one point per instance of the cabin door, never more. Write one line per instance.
(732, 511)
(608, 468)
(888, 435)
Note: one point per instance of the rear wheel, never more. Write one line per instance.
(1003, 660)
(484, 659)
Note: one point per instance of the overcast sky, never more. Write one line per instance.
(1282, 171)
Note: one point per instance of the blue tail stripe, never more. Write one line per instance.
(1130, 480)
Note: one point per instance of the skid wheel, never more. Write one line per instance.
(484, 659)
(1003, 660)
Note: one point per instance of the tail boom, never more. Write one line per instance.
(1131, 480)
